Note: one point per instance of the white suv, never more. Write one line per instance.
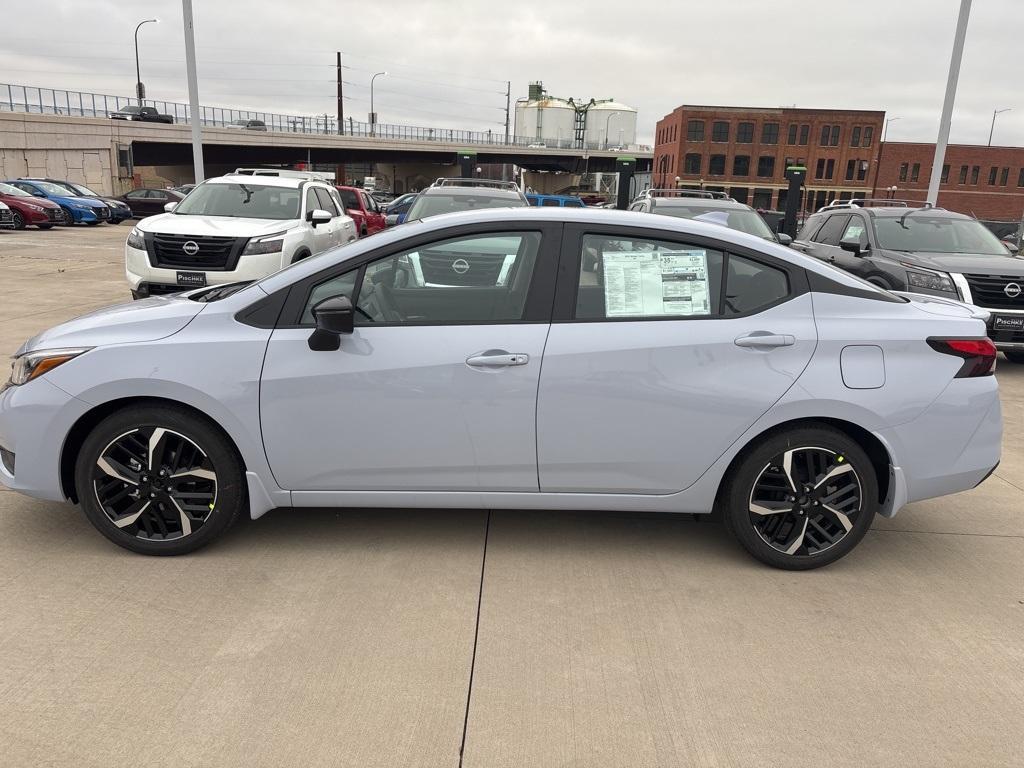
(235, 228)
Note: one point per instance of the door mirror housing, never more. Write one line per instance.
(784, 239)
(318, 216)
(855, 245)
(334, 316)
(169, 207)
(1011, 246)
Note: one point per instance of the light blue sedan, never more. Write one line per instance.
(517, 358)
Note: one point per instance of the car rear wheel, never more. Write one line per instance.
(19, 220)
(1015, 357)
(159, 480)
(802, 499)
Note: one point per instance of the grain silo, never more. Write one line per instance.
(610, 124)
(544, 119)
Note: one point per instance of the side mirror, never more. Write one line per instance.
(784, 239)
(318, 216)
(353, 212)
(391, 220)
(854, 245)
(169, 207)
(1011, 246)
(334, 316)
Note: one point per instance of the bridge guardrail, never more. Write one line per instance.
(53, 101)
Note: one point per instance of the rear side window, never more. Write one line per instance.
(549, 201)
(751, 286)
(810, 226)
(831, 231)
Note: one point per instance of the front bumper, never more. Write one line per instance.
(35, 419)
(145, 279)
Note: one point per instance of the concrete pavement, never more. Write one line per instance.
(346, 638)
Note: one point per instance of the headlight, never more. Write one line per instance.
(136, 239)
(931, 281)
(81, 206)
(34, 207)
(256, 247)
(32, 365)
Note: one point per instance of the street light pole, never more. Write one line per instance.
(947, 102)
(139, 90)
(193, 91)
(373, 115)
(885, 130)
(993, 128)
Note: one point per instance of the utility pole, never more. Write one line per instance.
(505, 170)
(992, 130)
(947, 103)
(193, 91)
(341, 106)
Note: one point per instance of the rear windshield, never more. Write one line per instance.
(251, 201)
(936, 234)
(740, 219)
(432, 205)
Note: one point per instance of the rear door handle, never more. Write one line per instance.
(763, 339)
(497, 359)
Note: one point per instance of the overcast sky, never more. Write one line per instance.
(449, 59)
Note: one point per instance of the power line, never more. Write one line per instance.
(428, 82)
(428, 98)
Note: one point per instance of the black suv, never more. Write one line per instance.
(922, 249)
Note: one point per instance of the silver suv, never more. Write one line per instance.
(712, 207)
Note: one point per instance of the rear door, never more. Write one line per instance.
(437, 387)
(663, 351)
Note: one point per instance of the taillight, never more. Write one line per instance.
(979, 355)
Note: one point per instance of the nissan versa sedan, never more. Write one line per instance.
(608, 361)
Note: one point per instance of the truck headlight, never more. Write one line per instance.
(32, 365)
(136, 239)
(931, 280)
(256, 247)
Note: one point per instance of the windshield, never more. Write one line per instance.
(251, 201)
(432, 205)
(349, 198)
(53, 189)
(740, 219)
(132, 110)
(7, 189)
(936, 234)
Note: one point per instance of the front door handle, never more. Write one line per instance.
(497, 358)
(765, 339)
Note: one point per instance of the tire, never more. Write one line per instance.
(1015, 357)
(44, 226)
(69, 217)
(807, 532)
(92, 223)
(19, 220)
(300, 256)
(112, 465)
(880, 283)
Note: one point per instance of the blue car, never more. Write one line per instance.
(557, 201)
(78, 210)
(399, 208)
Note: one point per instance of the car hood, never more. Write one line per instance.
(92, 202)
(145, 320)
(42, 202)
(225, 226)
(963, 262)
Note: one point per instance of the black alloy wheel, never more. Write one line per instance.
(159, 480)
(803, 500)
(19, 220)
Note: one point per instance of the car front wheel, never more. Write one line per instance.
(19, 220)
(159, 480)
(802, 499)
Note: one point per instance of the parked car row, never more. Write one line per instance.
(44, 203)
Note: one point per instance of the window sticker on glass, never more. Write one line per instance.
(656, 283)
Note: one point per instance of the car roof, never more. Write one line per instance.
(898, 211)
(712, 204)
(290, 182)
(454, 191)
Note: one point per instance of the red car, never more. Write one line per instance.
(28, 209)
(363, 209)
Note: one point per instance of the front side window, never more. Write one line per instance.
(326, 202)
(855, 229)
(350, 199)
(832, 230)
(253, 201)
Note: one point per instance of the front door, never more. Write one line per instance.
(435, 390)
(653, 367)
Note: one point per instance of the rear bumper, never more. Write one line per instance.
(953, 445)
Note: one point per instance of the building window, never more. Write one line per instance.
(945, 174)
(745, 133)
(819, 169)
(975, 172)
(783, 199)
(868, 134)
(805, 132)
(992, 175)
(762, 199)
(851, 168)
(835, 136)
(915, 172)
(739, 194)
(855, 137)
(720, 131)
(691, 163)
(770, 133)
(766, 166)
(1004, 177)
(791, 137)
(695, 130)
(741, 165)
(830, 169)
(963, 174)
(1020, 178)
(904, 167)
(716, 165)
(862, 170)
(826, 131)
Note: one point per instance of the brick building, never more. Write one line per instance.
(745, 151)
(985, 181)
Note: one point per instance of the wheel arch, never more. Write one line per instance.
(878, 453)
(87, 422)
